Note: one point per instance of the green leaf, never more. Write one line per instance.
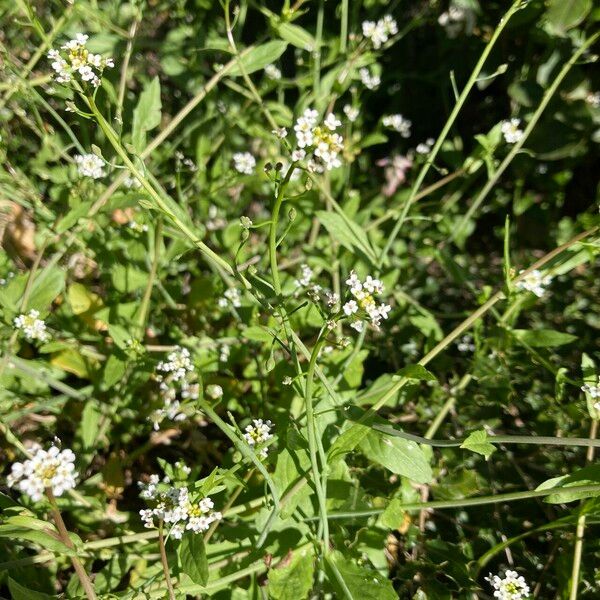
(46, 288)
(355, 582)
(259, 57)
(146, 115)
(566, 14)
(586, 476)
(417, 372)
(478, 442)
(81, 299)
(88, 427)
(294, 581)
(127, 278)
(543, 338)
(192, 553)
(347, 233)
(297, 36)
(41, 538)
(19, 592)
(588, 369)
(400, 456)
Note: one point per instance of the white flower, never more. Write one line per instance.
(325, 145)
(77, 62)
(455, 20)
(363, 306)
(351, 112)
(90, 165)
(510, 587)
(272, 72)
(511, 131)
(231, 297)
(244, 162)
(398, 123)
(287, 380)
(534, 282)
(214, 391)
(53, 469)
(379, 32)
(224, 352)
(305, 277)
(593, 391)
(593, 99)
(258, 433)
(465, 344)
(32, 326)
(425, 147)
(280, 132)
(370, 80)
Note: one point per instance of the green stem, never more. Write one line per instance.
(344, 27)
(449, 123)
(518, 145)
(145, 305)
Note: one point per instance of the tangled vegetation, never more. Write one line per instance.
(299, 299)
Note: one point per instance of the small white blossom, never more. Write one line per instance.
(511, 131)
(370, 80)
(232, 296)
(287, 380)
(258, 433)
(379, 33)
(510, 587)
(90, 165)
(74, 61)
(214, 391)
(593, 391)
(465, 344)
(224, 352)
(351, 112)
(32, 326)
(305, 277)
(363, 307)
(244, 162)
(534, 282)
(455, 20)
(52, 469)
(593, 99)
(398, 123)
(325, 144)
(272, 72)
(280, 132)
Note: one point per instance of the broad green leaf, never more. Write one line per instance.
(346, 232)
(566, 14)
(114, 369)
(81, 299)
(418, 372)
(586, 476)
(146, 115)
(127, 278)
(400, 456)
(192, 554)
(71, 361)
(19, 592)
(478, 442)
(42, 538)
(259, 57)
(46, 288)
(354, 582)
(297, 36)
(88, 427)
(293, 581)
(543, 338)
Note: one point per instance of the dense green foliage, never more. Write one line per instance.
(410, 305)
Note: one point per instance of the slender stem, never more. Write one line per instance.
(165, 562)
(64, 535)
(344, 26)
(449, 123)
(462, 502)
(580, 530)
(144, 306)
(312, 438)
(518, 145)
(125, 65)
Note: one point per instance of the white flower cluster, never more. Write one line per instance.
(593, 391)
(305, 277)
(322, 140)
(258, 433)
(175, 508)
(379, 32)
(534, 282)
(363, 301)
(453, 21)
(425, 147)
(76, 60)
(351, 112)
(244, 163)
(511, 130)
(232, 296)
(510, 587)
(398, 123)
(90, 165)
(32, 326)
(370, 80)
(176, 380)
(465, 344)
(593, 99)
(272, 72)
(52, 468)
